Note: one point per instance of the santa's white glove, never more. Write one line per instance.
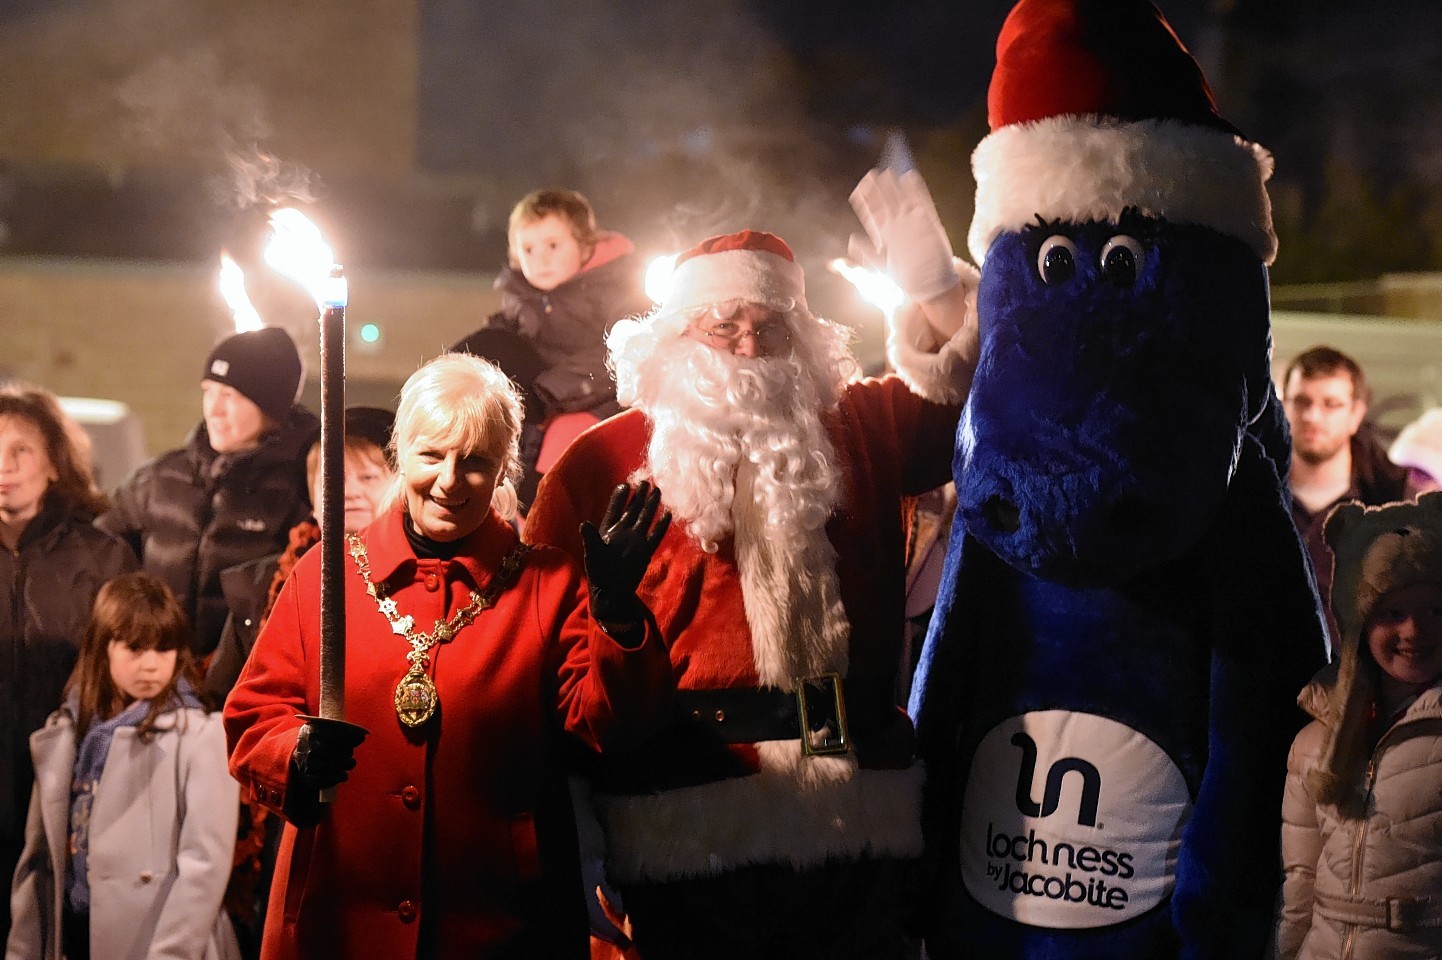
(905, 233)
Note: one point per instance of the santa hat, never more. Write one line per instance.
(1095, 107)
(750, 265)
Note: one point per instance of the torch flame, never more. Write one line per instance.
(658, 277)
(232, 288)
(875, 287)
(298, 250)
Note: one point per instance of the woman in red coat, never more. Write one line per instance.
(475, 665)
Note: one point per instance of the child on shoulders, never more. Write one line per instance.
(565, 284)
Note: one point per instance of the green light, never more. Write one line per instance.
(370, 333)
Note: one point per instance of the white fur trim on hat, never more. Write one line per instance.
(1080, 168)
(758, 276)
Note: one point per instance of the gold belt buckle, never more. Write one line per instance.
(828, 736)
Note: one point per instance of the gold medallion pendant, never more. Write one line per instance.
(416, 698)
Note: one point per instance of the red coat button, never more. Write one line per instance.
(433, 582)
(411, 797)
(407, 911)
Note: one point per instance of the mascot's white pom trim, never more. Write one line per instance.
(1079, 168)
(939, 376)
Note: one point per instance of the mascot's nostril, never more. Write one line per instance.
(1002, 514)
(1130, 514)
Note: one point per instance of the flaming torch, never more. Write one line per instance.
(232, 288)
(298, 250)
(875, 287)
(658, 277)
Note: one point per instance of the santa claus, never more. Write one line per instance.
(780, 808)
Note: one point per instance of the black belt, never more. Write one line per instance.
(814, 713)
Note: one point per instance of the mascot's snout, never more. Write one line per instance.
(1109, 404)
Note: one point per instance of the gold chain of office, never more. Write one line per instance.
(416, 696)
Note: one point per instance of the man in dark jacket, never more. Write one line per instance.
(233, 492)
(1335, 455)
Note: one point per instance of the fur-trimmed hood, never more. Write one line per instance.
(1376, 550)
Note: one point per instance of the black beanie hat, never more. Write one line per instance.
(375, 424)
(262, 365)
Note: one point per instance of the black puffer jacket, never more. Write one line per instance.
(191, 512)
(46, 589)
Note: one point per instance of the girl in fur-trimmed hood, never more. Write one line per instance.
(1363, 807)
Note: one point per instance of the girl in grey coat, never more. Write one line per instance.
(132, 819)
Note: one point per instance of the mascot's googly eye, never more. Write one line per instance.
(1056, 260)
(1120, 259)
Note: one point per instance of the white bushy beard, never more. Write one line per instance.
(717, 412)
(738, 450)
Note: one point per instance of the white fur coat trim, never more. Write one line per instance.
(799, 811)
(940, 373)
(1079, 168)
(791, 594)
(758, 276)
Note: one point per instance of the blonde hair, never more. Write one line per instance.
(569, 205)
(461, 402)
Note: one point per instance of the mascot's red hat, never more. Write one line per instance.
(1095, 106)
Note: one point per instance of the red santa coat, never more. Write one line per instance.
(457, 840)
(683, 806)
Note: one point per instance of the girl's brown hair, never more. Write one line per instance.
(66, 444)
(138, 610)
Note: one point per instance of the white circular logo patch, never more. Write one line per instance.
(1070, 821)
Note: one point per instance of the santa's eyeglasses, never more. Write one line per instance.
(720, 325)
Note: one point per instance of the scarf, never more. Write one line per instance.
(89, 765)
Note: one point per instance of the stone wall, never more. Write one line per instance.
(139, 333)
(119, 84)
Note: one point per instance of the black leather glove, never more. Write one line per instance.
(617, 553)
(324, 752)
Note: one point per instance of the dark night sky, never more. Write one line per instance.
(683, 118)
(738, 109)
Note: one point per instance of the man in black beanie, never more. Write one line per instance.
(260, 368)
(236, 487)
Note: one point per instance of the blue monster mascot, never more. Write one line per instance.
(1106, 696)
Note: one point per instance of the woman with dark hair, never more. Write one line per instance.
(51, 565)
(133, 815)
(474, 666)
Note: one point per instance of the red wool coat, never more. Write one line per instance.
(457, 840)
(682, 806)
